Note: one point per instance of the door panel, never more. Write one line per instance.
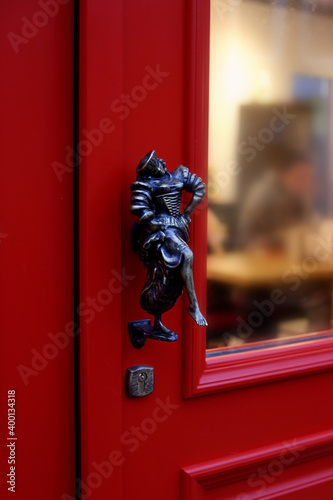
(100, 173)
(293, 469)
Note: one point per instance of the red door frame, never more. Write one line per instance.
(36, 310)
(201, 375)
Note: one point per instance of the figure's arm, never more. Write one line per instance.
(141, 201)
(194, 185)
(142, 205)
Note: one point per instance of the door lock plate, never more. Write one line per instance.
(140, 380)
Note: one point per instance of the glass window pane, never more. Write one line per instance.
(270, 222)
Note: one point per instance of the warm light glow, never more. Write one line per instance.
(235, 75)
(270, 171)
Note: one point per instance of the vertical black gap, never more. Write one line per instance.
(76, 250)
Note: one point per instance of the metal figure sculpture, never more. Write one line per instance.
(160, 237)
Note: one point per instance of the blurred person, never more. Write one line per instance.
(280, 200)
(276, 216)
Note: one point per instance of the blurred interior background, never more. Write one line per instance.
(270, 216)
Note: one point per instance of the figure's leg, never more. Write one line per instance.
(177, 244)
(187, 275)
(158, 325)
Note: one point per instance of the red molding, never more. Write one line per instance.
(199, 478)
(265, 365)
(196, 156)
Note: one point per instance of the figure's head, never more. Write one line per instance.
(151, 166)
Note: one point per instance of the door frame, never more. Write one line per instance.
(203, 375)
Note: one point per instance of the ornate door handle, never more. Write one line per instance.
(160, 238)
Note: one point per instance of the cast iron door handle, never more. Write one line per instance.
(160, 239)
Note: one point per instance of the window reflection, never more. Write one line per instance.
(270, 224)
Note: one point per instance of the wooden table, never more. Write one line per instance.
(253, 270)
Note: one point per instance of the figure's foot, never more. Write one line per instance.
(161, 332)
(197, 316)
(159, 326)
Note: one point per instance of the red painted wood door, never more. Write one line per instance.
(37, 249)
(248, 426)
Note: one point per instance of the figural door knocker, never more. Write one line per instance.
(160, 237)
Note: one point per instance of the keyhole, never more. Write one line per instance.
(142, 379)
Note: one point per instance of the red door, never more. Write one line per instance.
(248, 424)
